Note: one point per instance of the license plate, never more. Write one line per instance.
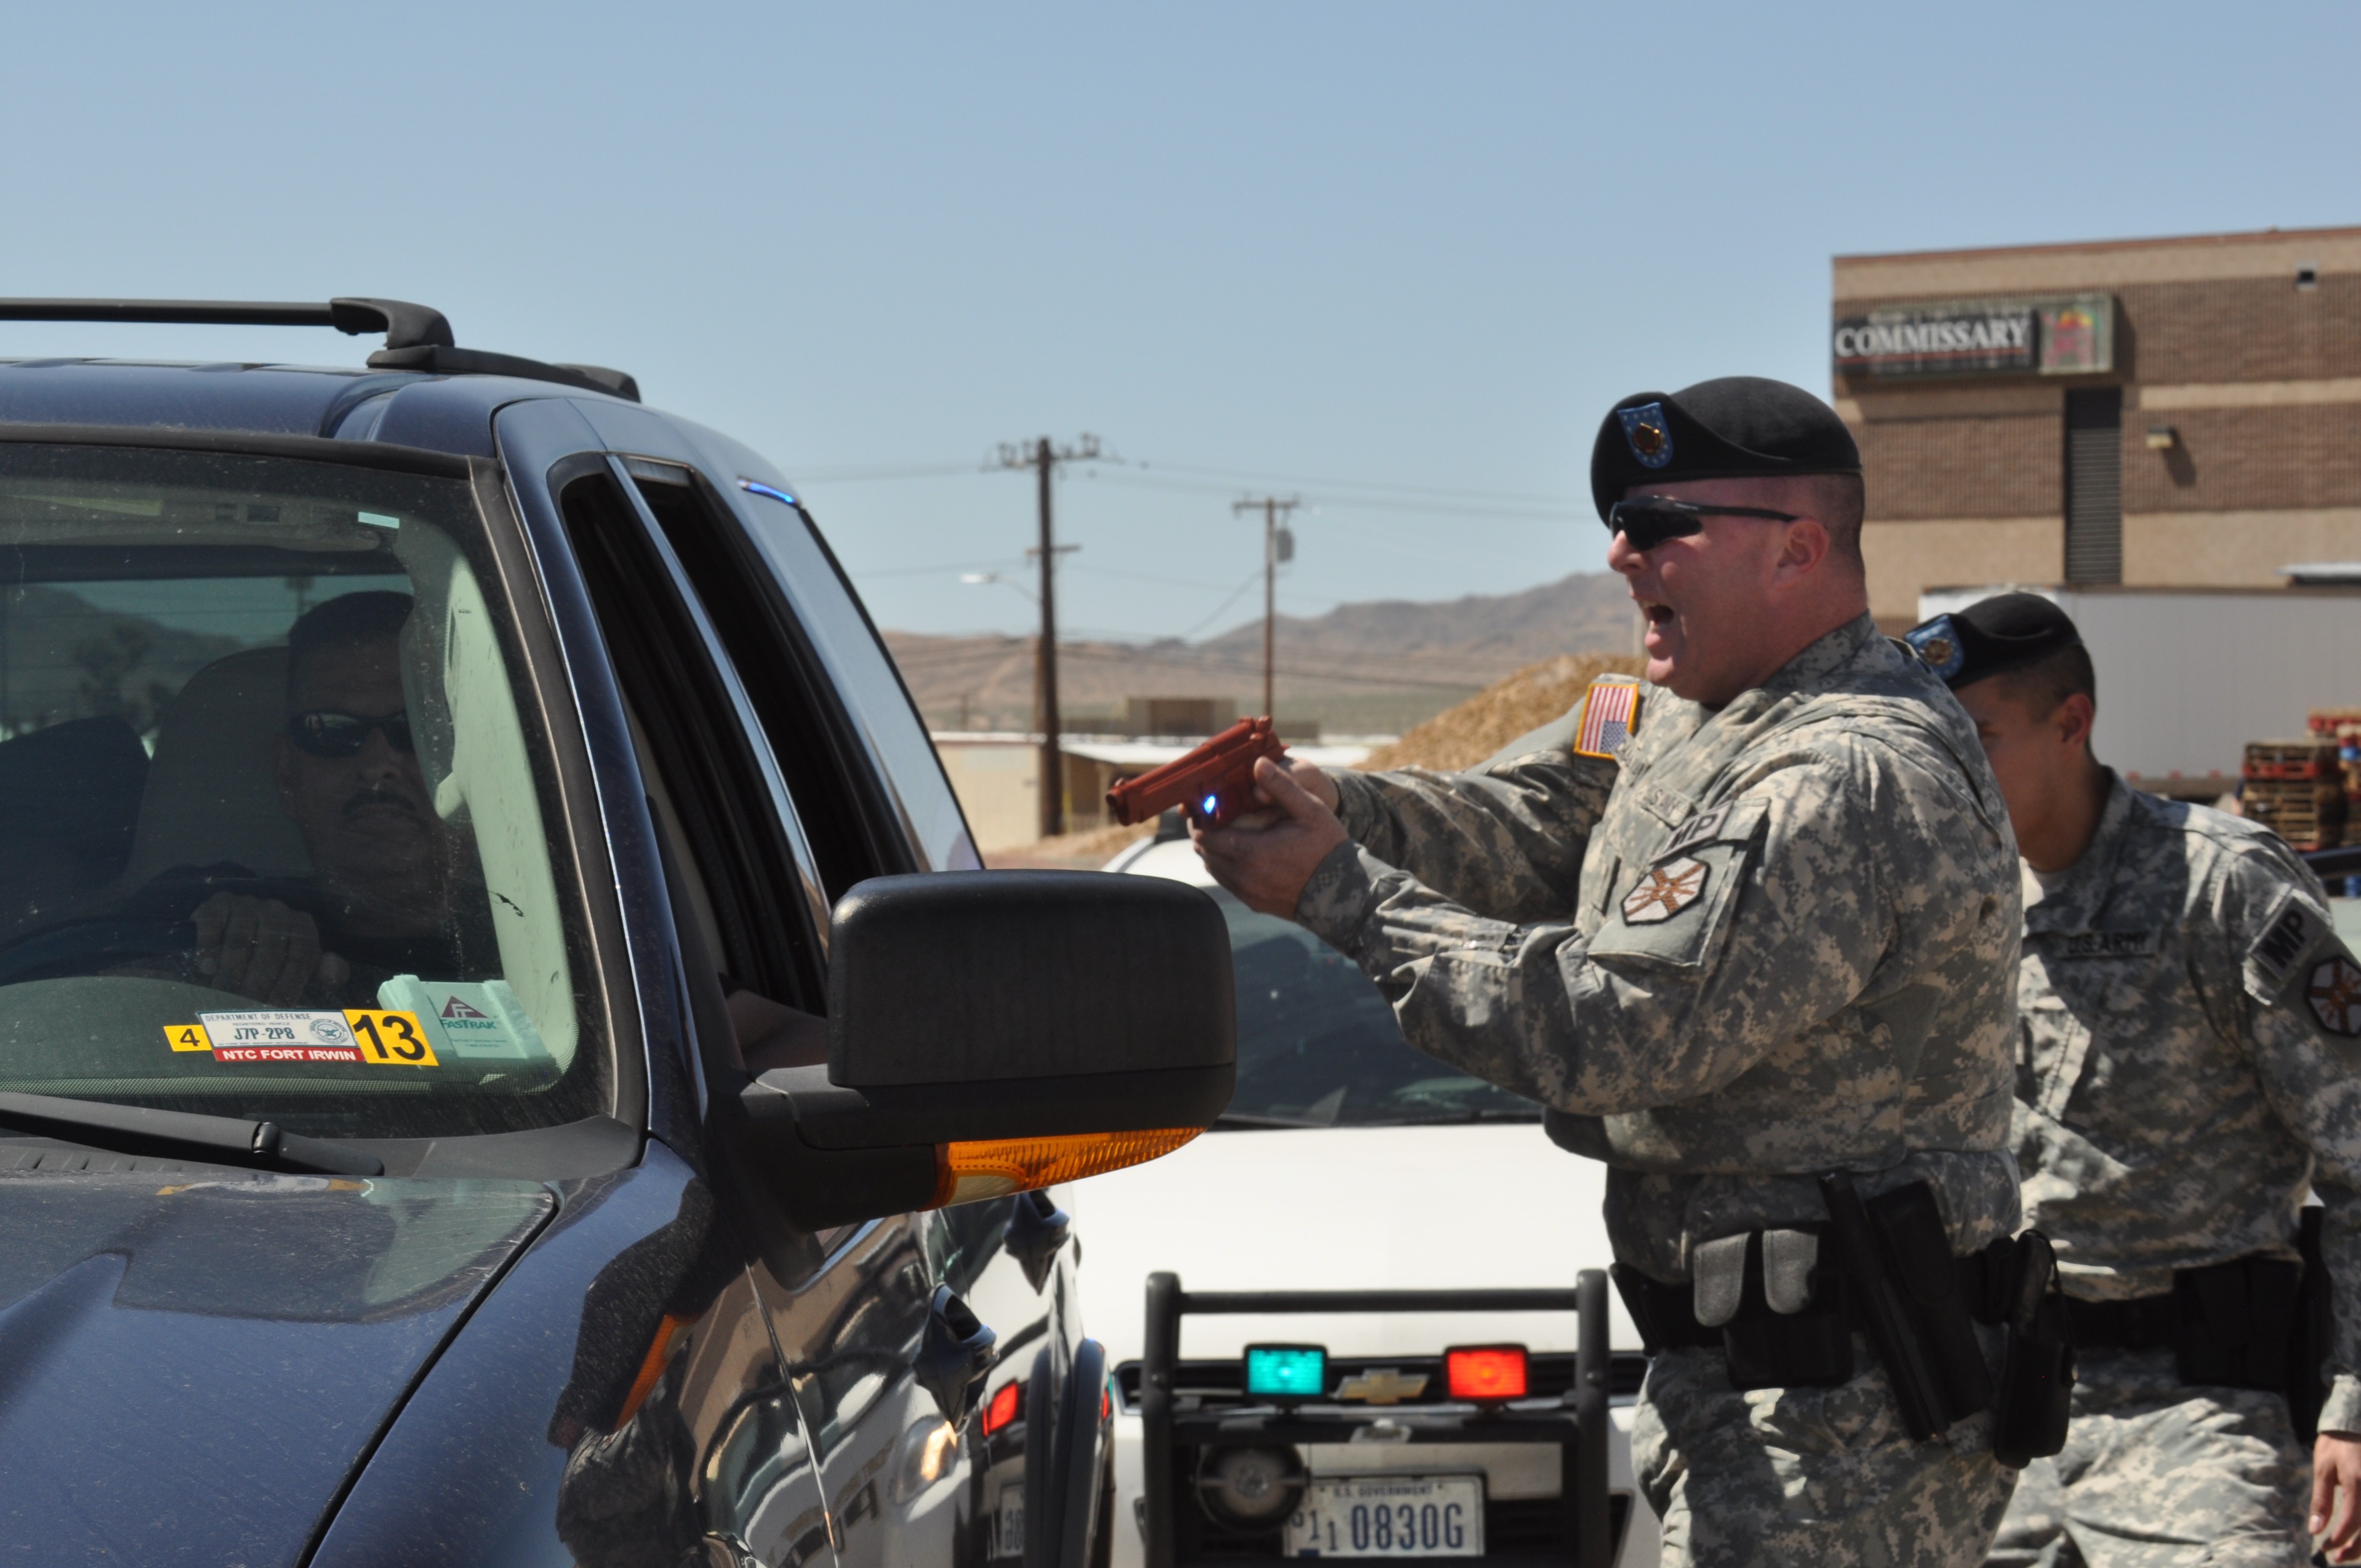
(1389, 1516)
(1008, 1537)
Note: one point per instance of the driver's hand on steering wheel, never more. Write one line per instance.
(260, 948)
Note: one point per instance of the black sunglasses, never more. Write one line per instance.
(1648, 521)
(325, 732)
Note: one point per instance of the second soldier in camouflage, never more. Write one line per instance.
(2190, 1059)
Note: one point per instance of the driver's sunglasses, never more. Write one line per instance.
(1648, 521)
(325, 732)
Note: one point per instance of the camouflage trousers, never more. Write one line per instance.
(2157, 1473)
(1809, 1476)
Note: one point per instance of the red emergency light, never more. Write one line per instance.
(1004, 1406)
(1486, 1372)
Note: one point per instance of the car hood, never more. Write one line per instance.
(1483, 1207)
(190, 1367)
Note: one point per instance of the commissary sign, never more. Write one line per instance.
(2046, 336)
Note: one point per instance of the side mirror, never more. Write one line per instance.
(994, 1032)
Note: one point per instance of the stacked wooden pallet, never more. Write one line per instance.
(2342, 726)
(2296, 788)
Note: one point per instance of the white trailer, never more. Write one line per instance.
(2187, 676)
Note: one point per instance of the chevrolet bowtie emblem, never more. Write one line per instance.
(1384, 1386)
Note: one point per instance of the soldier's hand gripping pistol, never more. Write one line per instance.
(1213, 783)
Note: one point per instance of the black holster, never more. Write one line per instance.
(1926, 1335)
(2314, 1340)
(2036, 1374)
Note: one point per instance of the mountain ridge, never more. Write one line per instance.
(1372, 665)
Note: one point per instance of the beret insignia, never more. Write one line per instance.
(1665, 892)
(2335, 993)
(1649, 432)
(1938, 642)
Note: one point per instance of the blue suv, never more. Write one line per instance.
(507, 1052)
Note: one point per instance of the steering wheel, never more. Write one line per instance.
(142, 930)
(88, 946)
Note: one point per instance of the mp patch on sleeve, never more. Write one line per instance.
(2289, 933)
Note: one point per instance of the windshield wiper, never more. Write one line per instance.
(140, 1129)
(1482, 1113)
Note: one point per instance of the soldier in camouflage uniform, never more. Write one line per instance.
(1769, 934)
(2190, 1059)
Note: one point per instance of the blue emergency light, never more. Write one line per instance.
(1287, 1371)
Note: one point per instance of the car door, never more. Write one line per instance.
(854, 1312)
(709, 1441)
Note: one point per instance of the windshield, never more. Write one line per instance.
(272, 837)
(1319, 1048)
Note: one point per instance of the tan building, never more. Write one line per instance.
(2171, 413)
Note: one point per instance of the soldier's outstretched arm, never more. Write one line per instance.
(1770, 916)
(1506, 836)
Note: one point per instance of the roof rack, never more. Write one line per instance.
(417, 337)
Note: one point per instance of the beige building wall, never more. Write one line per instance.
(2241, 423)
(2234, 549)
(999, 786)
(1906, 558)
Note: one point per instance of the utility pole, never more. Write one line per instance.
(1044, 458)
(1278, 545)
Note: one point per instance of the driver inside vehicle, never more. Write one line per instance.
(394, 889)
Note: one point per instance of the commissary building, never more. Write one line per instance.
(2156, 412)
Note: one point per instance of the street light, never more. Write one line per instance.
(980, 578)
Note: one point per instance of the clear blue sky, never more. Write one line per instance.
(1410, 246)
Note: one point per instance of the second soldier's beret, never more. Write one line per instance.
(1992, 637)
(1734, 427)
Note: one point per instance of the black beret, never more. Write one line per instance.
(1735, 427)
(1992, 637)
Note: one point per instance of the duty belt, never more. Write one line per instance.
(1783, 1305)
(2251, 1323)
(1666, 1316)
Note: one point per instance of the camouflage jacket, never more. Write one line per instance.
(1777, 940)
(2188, 1060)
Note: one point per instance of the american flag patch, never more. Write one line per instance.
(1610, 711)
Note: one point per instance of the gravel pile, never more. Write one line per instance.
(1460, 737)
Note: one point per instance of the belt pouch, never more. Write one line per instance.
(2036, 1374)
(1781, 1317)
(1919, 1249)
(2233, 1323)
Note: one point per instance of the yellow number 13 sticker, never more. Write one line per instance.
(392, 1039)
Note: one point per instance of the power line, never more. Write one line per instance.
(853, 476)
(1222, 608)
(1458, 499)
(1383, 485)
(929, 571)
(1537, 513)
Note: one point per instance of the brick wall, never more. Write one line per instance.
(2239, 329)
(2250, 459)
(1987, 466)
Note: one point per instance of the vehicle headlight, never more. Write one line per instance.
(1250, 1488)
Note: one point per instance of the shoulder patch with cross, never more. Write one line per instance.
(1673, 915)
